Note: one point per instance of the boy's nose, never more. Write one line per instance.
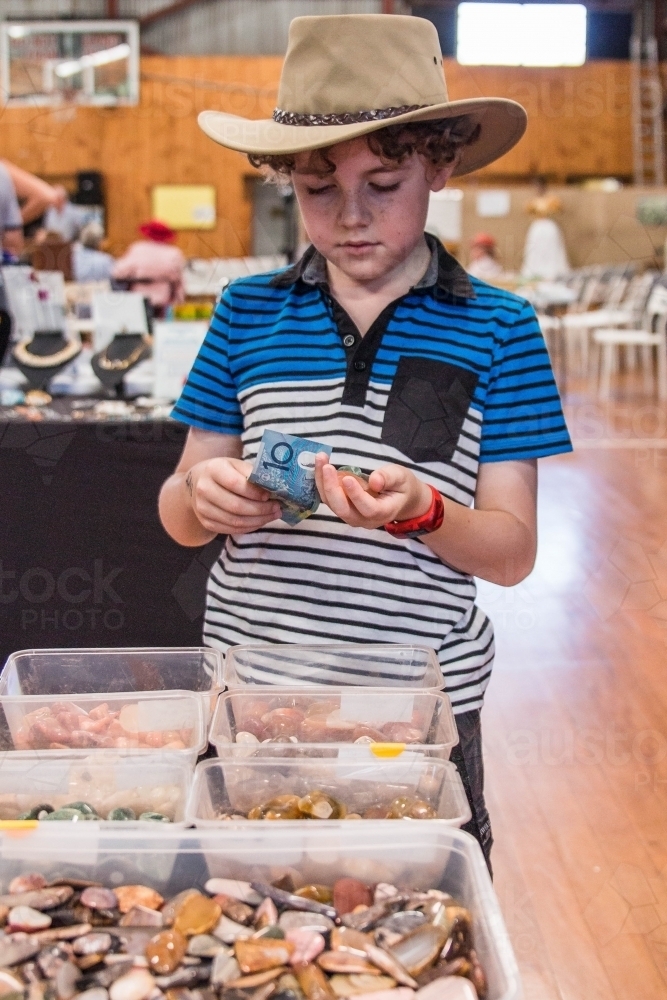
(353, 211)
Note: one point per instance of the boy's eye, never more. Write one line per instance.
(319, 190)
(386, 187)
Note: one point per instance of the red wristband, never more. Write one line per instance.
(422, 525)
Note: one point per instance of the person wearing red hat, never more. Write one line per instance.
(153, 266)
(483, 262)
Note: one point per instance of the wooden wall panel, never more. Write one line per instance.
(579, 124)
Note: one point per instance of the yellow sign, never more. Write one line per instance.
(184, 206)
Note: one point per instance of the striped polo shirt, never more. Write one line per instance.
(451, 374)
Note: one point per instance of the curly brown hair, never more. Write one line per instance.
(437, 141)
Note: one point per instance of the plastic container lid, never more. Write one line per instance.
(360, 782)
(103, 671)
(143, 724)
(319, 719)
(105, 782)
(414, 667)
(408, 855)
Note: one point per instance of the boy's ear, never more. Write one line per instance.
(437, 177)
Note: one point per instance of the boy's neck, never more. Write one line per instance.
(363, 301)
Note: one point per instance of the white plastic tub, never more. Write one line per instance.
(408, 667)
(318, 720)
(106, 671)
(141, 783)
(229, 786)
(147, 724)
(409, 855)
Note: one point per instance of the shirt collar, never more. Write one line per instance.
(444, 274)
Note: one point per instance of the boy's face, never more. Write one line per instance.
(366, 217)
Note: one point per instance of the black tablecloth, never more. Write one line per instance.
(83, 558)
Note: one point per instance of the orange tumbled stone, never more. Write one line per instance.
(257, 954)
(165, 952)
(197, 914)
(129, 896)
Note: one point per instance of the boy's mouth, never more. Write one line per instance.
(358, 246)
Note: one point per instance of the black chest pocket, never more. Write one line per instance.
(427, 404)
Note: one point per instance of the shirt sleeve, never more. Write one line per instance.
(209, 399)
(523, 417)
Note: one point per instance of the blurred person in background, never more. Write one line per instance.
(89, 263)
(153, 266)
(545, 254)
(63, 217)
(483, 260)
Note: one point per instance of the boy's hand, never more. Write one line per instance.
(224, 501)
(400, 495)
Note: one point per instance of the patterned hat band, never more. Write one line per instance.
(345, 117)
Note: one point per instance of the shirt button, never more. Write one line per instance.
(348, 340)
(359, 366)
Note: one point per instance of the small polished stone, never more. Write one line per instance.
(204, 946)
(171, 906)
(165, 952)
(13, 950)
(290, 919)
(25, 883)
(240, 912)
(98, 898)
(233, 887)
(141, 916)
(349, 893)
(225, 968)
(266, 914)
(92, 944)
(314, 983)
(256, 979)
(25, 918)
(229, 931)
(308, 944)
(197, 914)
(258, 954)
(134, 985)
(66, 979)
(137, 895)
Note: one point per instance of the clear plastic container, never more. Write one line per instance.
(413, 667)
(170, 723)
(138, 783)
(103, 671)
(225, 788)
(317, 720)
(408, 855)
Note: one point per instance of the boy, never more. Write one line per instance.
(378, 344)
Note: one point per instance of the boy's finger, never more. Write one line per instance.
(389, 477)
(333, 494)
(366, 505)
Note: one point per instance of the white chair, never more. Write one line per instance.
(577, 327)
(651, 336)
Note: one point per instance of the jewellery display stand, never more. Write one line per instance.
(124, 353)
(44, 356)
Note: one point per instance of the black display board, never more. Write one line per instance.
(84, 560)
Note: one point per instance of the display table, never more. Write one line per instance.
(84, 560)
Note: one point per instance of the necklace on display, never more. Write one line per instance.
(61, 357)
(122, 364)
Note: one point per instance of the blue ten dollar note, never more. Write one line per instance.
(285, 466)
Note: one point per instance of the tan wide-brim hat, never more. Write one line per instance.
(351, 74)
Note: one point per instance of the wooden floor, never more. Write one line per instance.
(575, 722)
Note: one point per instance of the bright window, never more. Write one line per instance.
(515, 34)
